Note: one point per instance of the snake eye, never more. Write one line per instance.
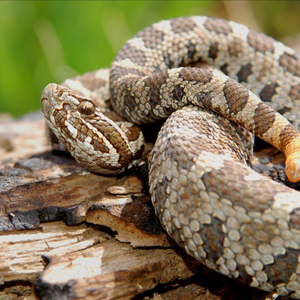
(86, 108)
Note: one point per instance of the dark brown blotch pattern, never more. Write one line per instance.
(218, 25)
(264, 117)
(236, 96)
(244, 72)
(127, 91)
(224, 69)
(168, 60)
(191, 50)
(287, 135)
(237, 99)
(92, 82)
(122, 71)
(268, 92)
(290, 63)
(284, 266)
(155, 82)
(295, 218)
(199, 75)
(295, 92)
(260, 42)
(213, 51)
(181, 25)
(205, 99)
(135, 55)
(213, 239)
(178, 92)
(235, 47)
(151, 37)
(133, 133)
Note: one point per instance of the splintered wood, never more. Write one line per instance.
(66, 233)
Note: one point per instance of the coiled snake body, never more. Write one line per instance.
(217, 208)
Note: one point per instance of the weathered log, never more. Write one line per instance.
(66, 233)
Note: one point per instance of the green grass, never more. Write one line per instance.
(48, 41)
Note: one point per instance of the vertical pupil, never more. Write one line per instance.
(85, 109)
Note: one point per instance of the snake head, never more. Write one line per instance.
(95, 141)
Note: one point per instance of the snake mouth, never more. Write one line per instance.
(46, 99)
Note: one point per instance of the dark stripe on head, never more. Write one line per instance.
(115, 138)
(60, 116)
(99, 145)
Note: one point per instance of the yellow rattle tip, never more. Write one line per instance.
(292, 167)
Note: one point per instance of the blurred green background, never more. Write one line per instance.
(48, 41)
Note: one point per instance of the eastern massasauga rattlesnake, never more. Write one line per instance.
(217, 208)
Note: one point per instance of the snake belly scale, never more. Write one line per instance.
(216, 207)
